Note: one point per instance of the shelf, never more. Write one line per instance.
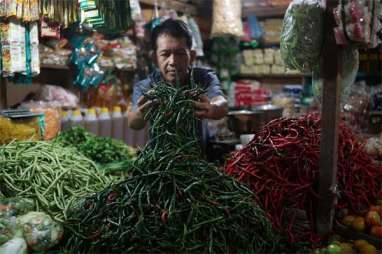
(54, 66)
(265, 11)
(270, 76)
(173, 4)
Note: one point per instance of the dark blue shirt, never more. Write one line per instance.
(206, 78)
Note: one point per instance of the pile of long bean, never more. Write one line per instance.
(52, 175)
(174, 202)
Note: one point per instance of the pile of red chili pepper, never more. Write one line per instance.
(281, 166)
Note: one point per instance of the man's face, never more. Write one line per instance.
(173, 58)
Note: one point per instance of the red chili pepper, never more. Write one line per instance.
(111, 197)
(164, 216)
(96, 235)
(281, 167)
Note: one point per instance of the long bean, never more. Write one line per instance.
(50, 174)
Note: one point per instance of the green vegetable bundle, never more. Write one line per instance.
(52, 175)
(102, 150)
(302, 35)
(174, 202)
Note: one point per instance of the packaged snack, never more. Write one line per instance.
(227, 18)
(20, 125)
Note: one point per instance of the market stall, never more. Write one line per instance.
(294, 167)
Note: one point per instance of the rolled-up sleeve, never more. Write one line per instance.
(211, 83)
(138, 90)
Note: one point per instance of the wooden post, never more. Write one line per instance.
(329, 125)
(3, 93)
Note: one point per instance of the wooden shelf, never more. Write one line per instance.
(270, 76)
(265, 11)
(173, 4)
(54, 66)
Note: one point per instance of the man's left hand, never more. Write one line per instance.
(215, 108)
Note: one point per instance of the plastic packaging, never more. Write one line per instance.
(117, 123)
(302, 35)
(104, 123)
(349, 69)
(15, 206)
(20, 129)
(357, 22)
(226, 18)
(76, 118)
(40, 231)
(356, 106)
(91, 121)
(57, 96)
(16, 245)
(7, 228)
(52, 121)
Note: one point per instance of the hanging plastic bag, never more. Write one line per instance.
(301, 35)
(16, 245)
(226, 18)
(348, 71)
(40, 231)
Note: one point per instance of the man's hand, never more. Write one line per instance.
(136, 119)
(215, 108)
(143, 105)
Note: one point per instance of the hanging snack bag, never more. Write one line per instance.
(20, 125)
(301, 35)
(226, 18)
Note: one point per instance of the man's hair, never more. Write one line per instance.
(173, 27)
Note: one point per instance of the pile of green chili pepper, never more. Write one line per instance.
(174, 202)
(102, 150)
(52, 175)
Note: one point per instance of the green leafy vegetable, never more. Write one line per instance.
(102, 150)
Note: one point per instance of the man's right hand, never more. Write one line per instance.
(136, 119)
(143, 105)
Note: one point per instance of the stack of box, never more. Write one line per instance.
(250, 94)
(263, 62)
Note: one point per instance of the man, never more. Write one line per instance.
(171, 42)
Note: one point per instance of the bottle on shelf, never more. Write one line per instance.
(104, 121)
(65, 120)
(91, 121)
(127, 132)
(77, 119)
(117, 123)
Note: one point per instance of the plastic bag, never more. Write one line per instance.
(349, 69)
(301, 35)
(19, 129)
(356, 106)
(226, 18)
(52, 120)
(16, 245)
(7, 228)
(9, 209)
(40, 231)
(15, 206)
(57, 96)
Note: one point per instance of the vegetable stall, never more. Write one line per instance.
(302, 184)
